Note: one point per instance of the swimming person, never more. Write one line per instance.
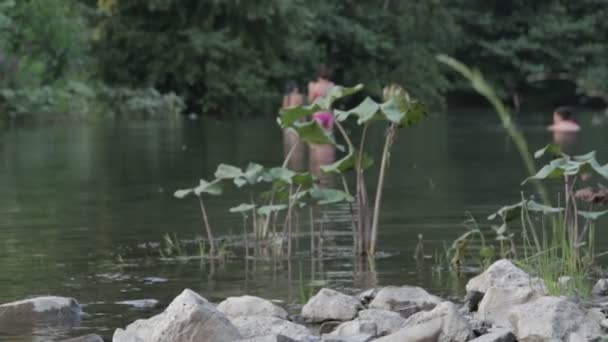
(564, 127)
(292, 96)
(318, 88)
(563, 120)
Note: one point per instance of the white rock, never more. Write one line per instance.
(255, 326)
(454, 327)
(424, 332)
(351, 338)
(496, 335)
(268, 338)
(600, 288)
(331, 305)
(356, 327)
(189, 318)
(551, 319)
(49, 310)
(498, 302)
(503, 273)
(250, 306)
(387, 322)
(407, 300)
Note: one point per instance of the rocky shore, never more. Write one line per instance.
(502, 304)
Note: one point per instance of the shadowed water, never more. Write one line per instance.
(83, 208)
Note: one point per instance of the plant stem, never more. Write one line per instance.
(390, 135)
(207, 227)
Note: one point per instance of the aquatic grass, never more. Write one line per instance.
(560, 251)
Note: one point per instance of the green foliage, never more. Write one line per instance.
(233, 57)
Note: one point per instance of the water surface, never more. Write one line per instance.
(79, 201)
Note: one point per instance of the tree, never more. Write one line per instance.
(518, 43)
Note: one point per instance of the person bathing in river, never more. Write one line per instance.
(318, 88)
(321, 154)
(563, 120)
(292, 98)
(564, 127)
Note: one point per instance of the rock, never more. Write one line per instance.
(328, 326)
(472, 299)
(329, 305)
(250, 306)
(406, 300)
(600, 288)
(387, 322)
(86, 338)
(498, 302)
(496, 335)
(551, 319)
(454, 327)
(188, 318)
(565, 282)
(255, 326)
(351, 338)
(424, 332)
(268, 338)
(503, 273)
(366, 297)
(49, 310)
(121, 335)
(604, 324)
(357, 327)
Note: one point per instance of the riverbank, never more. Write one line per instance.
(503, 303)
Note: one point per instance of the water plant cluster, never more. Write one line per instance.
(276, 196)
(556, 242)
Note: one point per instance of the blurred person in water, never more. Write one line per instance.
(564, 127)
(321, 154)
(292, 98)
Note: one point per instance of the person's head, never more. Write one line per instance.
(323, 72)
(291, 87)
(563, 114)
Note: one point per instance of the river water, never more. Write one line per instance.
(83, 208)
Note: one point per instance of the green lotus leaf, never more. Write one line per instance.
(553, 149)
(225, 171)
(329, 196)
(212, 188)
(592, 215)
(312, 133)
(291, 115)
(269, 209)
(510, 212)
(349, 162)
(366, 111)
(242, 208)
(183, 193)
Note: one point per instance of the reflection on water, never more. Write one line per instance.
(84, 209)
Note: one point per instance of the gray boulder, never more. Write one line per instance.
(600, 288)
(387, 322)
(503, 273)
(406, 300)
(86, 338)
(454, 327)
(351, 338)
(552, 319)
(498, 302)
(329, 305)
(428, 331)
(268, 338)
(49, 310)
(189, 318)
(496, 335)
(256, 326)
(356, 327)
(250, 306)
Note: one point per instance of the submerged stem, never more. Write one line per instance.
(207, 227)
(390, 135)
